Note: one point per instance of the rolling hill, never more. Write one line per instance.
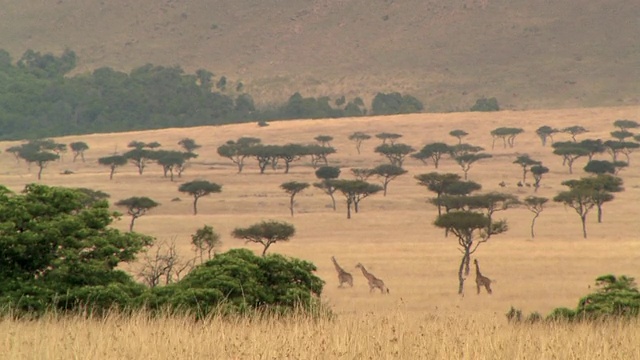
(528, 54)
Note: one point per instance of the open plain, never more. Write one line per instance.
(394, 236)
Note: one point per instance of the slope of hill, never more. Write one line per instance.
(529, 54)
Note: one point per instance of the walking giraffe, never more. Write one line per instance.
(482, 280)
(374, 282)
(343, 276)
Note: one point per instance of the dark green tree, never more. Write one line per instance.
(600, 167)
(396, 153)
(205, 240)
(437, 183)
(466, 160)
(189, 145)
(78, 148)
(579, 198)
(387, 173)
(507, 134)
(237, 151)
(198, 189)
(358, 137)
(392, 137)
(570, 152)
(395, 103)
(293, 188)
(574, 131)
(624, 125)
(112, 162)
(538, 171)
(484, 104)
(60, 253)
(326, 174)
(137, 207)
(266, 233)
(324, 140)
(535, 204)
(458, 134)
(546, 132)
(433, 151)
(525, 162)
(355, 191)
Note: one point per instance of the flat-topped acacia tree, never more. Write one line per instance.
(433, 151)
(537, 171)
(507, 134)
(137, 207)
(535, 204)
(546, 132)
(395, 152)
(237, 150)
(293, 188)
(458, 134)
(525, 162)
(392, 137)
(354, 191)
(358, 137)
(112, 162)
(574, 131)
(78, 148)
(325, 174)
(266, 233)
(198, 189)
(387, 173)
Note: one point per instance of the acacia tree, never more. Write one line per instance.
(137, 207)
(600, 167)
(327, 173)
(624, 125)
(139, 157)
(42, 159)
(471, 230)
(265, 233)
(392, 137)
(189, 145)
(354, 191)
(387, 173)
(537, 171)
(205, 240)
(570, 152)
(535, 205)
(601, 187)
(574, 131)
(324, 140)
(459, 134)
(437, 183)
(466, 160)
(433, 151)
(358, 137)
(525, 162)
(396, 153)
(171, 160)
(546, 132)
(293, 188)
(579, 198)
(621, 147)
(78, 148)
(198, 189)
(507, 134)
(319, 153)
(112, 162)
(237, 151)
(593, 147)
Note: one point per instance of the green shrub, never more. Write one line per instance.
(484, 104)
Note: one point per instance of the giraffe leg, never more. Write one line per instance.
(478, 286)
(488, 287)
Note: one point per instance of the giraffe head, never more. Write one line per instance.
(358, 265)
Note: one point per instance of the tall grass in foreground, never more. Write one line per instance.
(393, 335)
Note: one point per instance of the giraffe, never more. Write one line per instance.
(482, 280)
(343, 276)
(374, 282)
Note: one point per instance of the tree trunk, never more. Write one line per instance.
(40, 172)
(460, 275)
(333, 201)
(133, 219)
(599, 213)
(533, 223)
(348, 209)
(113, 169)
(584, 225)
(195, 205)
(291, 202)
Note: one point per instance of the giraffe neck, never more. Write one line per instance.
(478, 270)
(366, 274)
(338, 268)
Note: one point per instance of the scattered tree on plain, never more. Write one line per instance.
(137, 207)
(112, 162)
(433, 151)
(579, 198)
(189, 145)
(324, 140)
(593, 147)
(437, 183)
(535, 204)
(358, 137)
(458, 134)
(507, 134)
(621, 147)
(396, 153)
(525, 162)
(570, 152)
(237, 151)
(293, 188)
(574, 131)
(546, 132)
(392, 137)
(198, 189)
(355, 191)
(387, 173)
(325, 174)
(266, 233)
(538, 171)
(78, 148)
(625, 125)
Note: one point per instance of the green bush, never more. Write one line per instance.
(484, 104)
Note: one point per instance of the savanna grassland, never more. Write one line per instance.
(394, 236)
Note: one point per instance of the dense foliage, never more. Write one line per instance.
(58, 253)
(39, 99)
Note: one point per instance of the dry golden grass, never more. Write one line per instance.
(393, 236)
